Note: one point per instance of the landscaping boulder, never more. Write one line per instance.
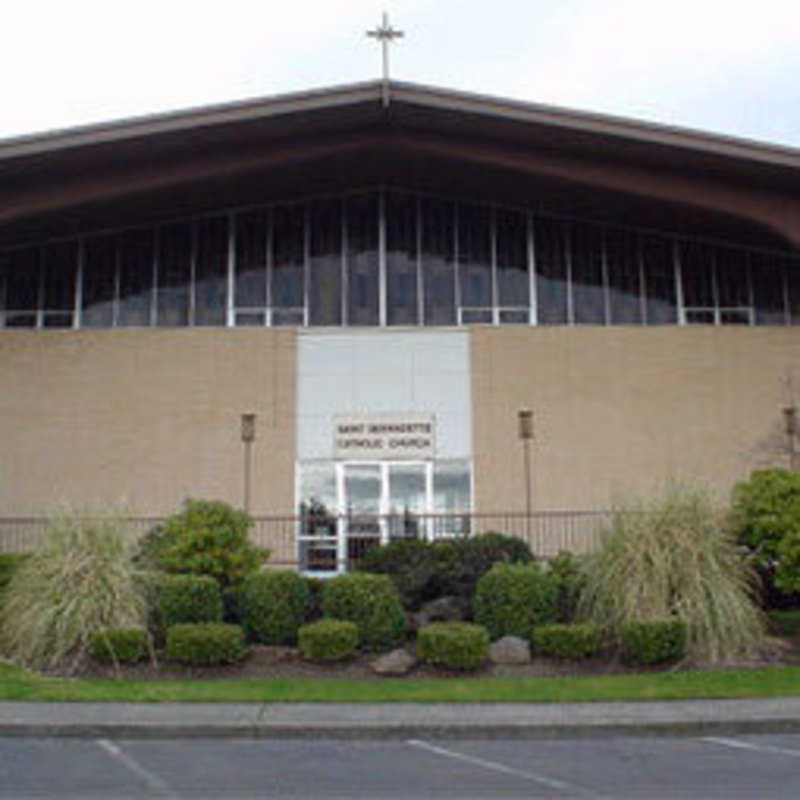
(510, 650)
(398, 662)
(442, 609)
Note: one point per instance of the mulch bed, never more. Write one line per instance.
(268, 663)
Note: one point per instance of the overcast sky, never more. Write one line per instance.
(729, 67)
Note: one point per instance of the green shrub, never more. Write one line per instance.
(461, 563)
(410, 564)
(371, 602)
(328, 640)
(120, 645)
(675, 558)
(456, 645)
(514, 598)
(205, 643)
(187, 598)
(573, 641)
(9, 563)
(273, 606)
(568, 571)
(232, 603)
(784, 622)
(316, 589)
(80, 581)
(766, 518)
(654, 641)
(207, 538)
(423, 571)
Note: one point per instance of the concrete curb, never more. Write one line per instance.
(398, 732)
(398, 720)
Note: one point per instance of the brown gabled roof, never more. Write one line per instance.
(442, 109)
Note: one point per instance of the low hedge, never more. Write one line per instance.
(273, 605)
(120, 645)
(653, 642)
(371, 602)
(512, 599)
(573, 641)
(328, 640)
(183, 599)
(456, 645)
(205, 643)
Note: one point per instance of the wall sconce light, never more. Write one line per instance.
(525, 417)
(248, 427)
(248, 436)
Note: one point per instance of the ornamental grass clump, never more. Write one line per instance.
(79, 582)
(675, 558)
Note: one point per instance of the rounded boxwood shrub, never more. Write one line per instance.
(273, 606)
(654, 641)
(515, 598)
(371, 602)
(186, 598)
(121, 645)
(456, 645)
(206, 538)
(205, 643)
(328, 640)
(574, 641)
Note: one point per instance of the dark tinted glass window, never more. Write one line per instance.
(551, 272)
(23, 280)
(211, 272)
(136, 254)
(401, 259)
(438, 261)
(288, 256)
(624, 284)
(588, 293)
(174, 274)
(696, 276)
(362, 259)
(325, 273)
(513, 282)
(659, 280)
(474, 256)
(99, 282)
(769, 298)
(252, 232)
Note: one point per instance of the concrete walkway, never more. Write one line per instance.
(399, 720)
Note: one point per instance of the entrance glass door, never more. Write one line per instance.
(408, 493)
(362, 493)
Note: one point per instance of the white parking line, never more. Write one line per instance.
(153, 781)
(544, 780)
(760, 748)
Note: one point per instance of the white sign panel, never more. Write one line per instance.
(377, 437)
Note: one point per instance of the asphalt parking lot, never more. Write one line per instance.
(743, 766)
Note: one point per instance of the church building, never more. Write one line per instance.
(332, 306)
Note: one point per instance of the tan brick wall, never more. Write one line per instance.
(626, 409)
(144, 418)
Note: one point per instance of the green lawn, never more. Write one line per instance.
(16, 684)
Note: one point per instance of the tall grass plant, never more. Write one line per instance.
(79, 583)
(676, 558)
